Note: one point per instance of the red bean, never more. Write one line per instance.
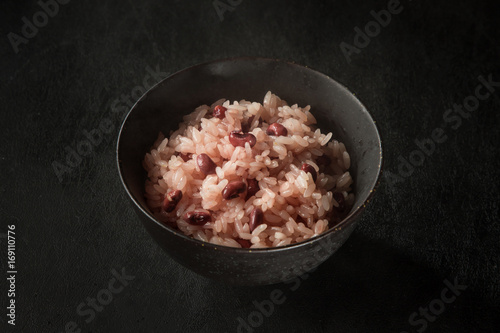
(337, 213)
(339, 197)
(171, 200)
(323, 160)
(334, 219)
(220, 112)
(206, 165)
(244, 243)
(256, 218)
(233, 189)
(277, 130)
(197, 217)
(171, 223)
(252, 188)
(299, 219)
(185, 157)
(239, 139)
(309, 169)
(245, 127)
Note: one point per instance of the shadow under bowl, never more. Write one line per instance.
(335, 108)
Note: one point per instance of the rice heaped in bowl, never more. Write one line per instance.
(246, 174)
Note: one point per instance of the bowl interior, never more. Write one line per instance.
(335, 108)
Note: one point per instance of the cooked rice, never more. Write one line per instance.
(295, 208)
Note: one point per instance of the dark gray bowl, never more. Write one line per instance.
(336, 109)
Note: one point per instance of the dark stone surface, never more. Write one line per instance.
(439, 223)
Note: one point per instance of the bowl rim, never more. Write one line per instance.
(347, 221)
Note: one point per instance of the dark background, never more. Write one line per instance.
(439, 223)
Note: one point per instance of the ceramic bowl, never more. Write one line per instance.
(336, 109)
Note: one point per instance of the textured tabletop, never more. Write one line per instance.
(425, 255)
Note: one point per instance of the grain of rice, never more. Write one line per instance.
(320, 227)
(159, 189)
(326, 203)
(343, 180)
(286, 192)
(279, 235)
(259, 229)
(316, 195)
(163, 145)
(284, 242)
(302, 228)
(245, 235)
(326, 139)
(346, 160)
(255, 239)
(300, 140)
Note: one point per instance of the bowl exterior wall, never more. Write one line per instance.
(246, 268)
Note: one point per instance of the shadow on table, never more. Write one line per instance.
(366, 286)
